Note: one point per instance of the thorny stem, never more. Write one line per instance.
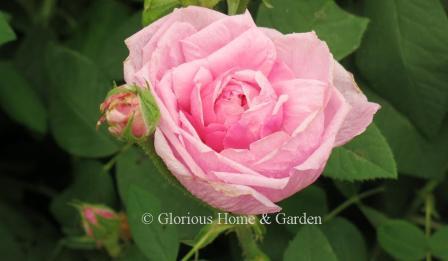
(421, 221)
(248, 244)
(247, 235)
(354, 199)
(195, 249)
(428, 213)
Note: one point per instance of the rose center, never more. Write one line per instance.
(231, 103)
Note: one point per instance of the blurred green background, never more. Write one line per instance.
(384, 196)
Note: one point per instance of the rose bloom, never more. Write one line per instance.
(249, 116)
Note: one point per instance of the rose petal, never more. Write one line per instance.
(215, 36)
(238, 199)
(198, 17)
(235, 54)
(362, 111)
(306, 55)
(251, 180)
(280, 160)
(280, 72)
(248, 129)
(164, 151)
(309, 170)
(167, 52)
(305, 97)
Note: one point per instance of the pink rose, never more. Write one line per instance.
(249, 116)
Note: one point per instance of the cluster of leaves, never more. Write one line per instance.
(383, 195)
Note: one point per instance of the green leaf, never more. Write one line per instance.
(78, 88)
(414, 154)
(154, 9)
(9, 247)
(19, 100)
(366, 157)
(404, 57)
(346, 240)
(402, 240)
(30, 57)
(311, 201)
(156, 241)
(101, 37)
(439, 243)
(132, 253)
(309, 244)
(16, 221)
(275, 241)
(341, 30)
(135, 169)
(26, 229)
(91, 184)
(375, 217)
(6, 32)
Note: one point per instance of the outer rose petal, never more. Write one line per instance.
(196, 16)
(167, 53)
(362, 111)
(238, 199)
(306, 55)
(216, 36)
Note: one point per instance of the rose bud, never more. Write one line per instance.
(104, 226)
(130, 112)
(90, 214)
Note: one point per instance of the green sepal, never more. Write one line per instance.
(268, 3)
(236, 6)
(107, 232)
(149, 109)
(120, 89)
(127, 135)
(203, 3)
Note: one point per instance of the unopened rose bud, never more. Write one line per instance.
(90, 215)
(104, 226)
(126, 112)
